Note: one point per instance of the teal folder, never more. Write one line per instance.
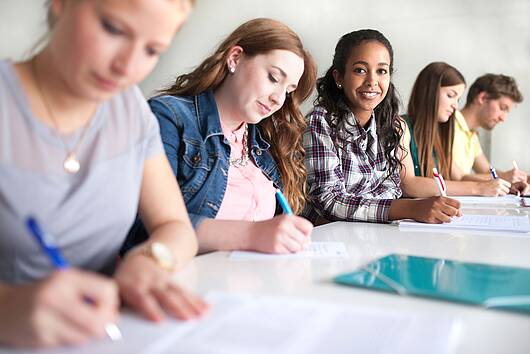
(491, 286)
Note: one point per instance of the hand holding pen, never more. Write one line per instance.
(67, 308)
(286, 233)
(495, 187)
(439, 209)
(515, 174)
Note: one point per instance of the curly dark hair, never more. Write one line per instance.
(388, 122)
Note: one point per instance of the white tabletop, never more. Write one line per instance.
(473, 329)
(482, 331)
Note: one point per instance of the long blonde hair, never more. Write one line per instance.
(283, 130)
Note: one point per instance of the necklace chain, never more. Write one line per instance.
(71, 163)
(243, 160)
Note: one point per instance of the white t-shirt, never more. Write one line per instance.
(88, 213)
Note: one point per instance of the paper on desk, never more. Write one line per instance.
(477, 222)
(240, 324)
(312, 250)
(525, 201)
(509, 199)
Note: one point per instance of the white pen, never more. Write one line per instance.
(439, 182)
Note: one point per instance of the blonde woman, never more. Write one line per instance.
(80, 152)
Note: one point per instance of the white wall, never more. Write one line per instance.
(476, 36)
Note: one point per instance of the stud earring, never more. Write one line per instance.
(339, 86)
(232, 70)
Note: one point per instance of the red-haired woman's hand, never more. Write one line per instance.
(281, 234)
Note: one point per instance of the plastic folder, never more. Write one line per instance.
(502, 287)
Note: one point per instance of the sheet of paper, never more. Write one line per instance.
(240, 324)
(509, 199)
(526, 201)
(313, 250)
(478, 222)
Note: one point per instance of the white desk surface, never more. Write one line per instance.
(479, 331)
(483, 331)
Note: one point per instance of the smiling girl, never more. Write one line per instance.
(352, 141)
(232, 132)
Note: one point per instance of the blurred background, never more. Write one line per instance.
(475, 36)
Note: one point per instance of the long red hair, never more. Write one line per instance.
(284, 129)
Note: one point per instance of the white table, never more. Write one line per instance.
(477, 331)
(483, 331)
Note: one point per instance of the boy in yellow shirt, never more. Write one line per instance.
(489, 100)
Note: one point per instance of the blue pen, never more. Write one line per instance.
(46, 243)
(493, 172)
(283, 202)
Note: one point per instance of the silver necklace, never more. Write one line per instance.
(70, 164)
(243, 160)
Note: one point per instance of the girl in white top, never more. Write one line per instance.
(80, 150)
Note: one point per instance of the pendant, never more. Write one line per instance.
(70, 164)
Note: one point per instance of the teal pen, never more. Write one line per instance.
(286, 207)
(283, 202)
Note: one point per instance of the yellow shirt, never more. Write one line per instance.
(466, 144)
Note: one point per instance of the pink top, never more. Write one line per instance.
(249, 194)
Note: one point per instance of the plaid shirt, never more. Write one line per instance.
(347, 182)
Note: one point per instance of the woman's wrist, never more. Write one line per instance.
(402, 209)
(4, 318)
(249, 235)
(4, 291)
(180, 239)
(226, 235)
(476, 188)
(157, 252)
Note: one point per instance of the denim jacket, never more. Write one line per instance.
(199, 153)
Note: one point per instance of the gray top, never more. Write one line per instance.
(88, 213)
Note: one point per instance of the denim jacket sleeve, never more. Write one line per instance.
(171, 132)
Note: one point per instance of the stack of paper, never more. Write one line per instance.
(477, 222)
(241, 324)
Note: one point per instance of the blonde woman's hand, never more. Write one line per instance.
(68, 308)
(281, 234)
(150, 290)
(436, 210)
